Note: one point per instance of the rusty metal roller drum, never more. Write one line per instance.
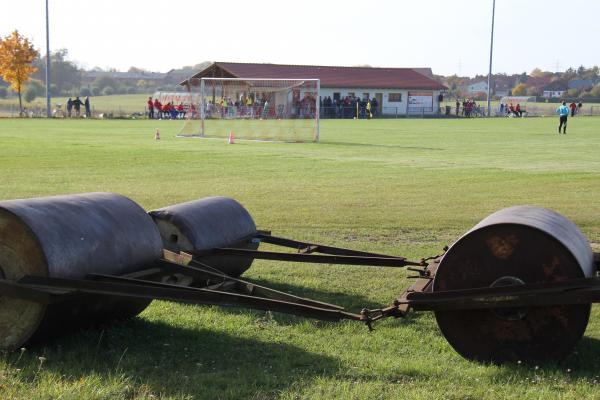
(522, 244)
(205, 224)
(69, 237)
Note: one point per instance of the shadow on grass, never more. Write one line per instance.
(176, 361)
(351, 302)
(581, 365)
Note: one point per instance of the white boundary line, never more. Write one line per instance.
(241, 140)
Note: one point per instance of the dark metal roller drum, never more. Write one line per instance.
(69, 237)
(517, 245)
(205, 224)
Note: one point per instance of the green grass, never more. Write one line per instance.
(121, 103)
(404, 187)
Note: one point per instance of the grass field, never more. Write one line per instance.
(405, 187)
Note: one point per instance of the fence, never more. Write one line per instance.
(444, 111)
(12, 111)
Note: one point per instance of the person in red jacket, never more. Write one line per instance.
(181, 110)
(158, 108)
(573, 108)
(166, 110)
(150, 108)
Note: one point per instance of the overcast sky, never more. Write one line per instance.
(448, 36)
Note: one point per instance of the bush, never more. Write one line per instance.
(96, 91)
(37, 85)
(595, 92)
(105, 81)
(3, 92)
(131, 90)
(85, 92)
(54, 90)
(121, 90)
(30, 94)
(107, 91)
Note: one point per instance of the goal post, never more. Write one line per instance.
(254, 109)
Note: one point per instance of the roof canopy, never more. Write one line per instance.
(331, 77)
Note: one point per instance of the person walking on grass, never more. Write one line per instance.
(563, 113)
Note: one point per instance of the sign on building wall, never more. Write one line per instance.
(177, 97)
(419, 102)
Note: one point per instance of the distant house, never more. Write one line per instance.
(502, 89)
(502, 85)
(478, 87)
(554, 89)
(581, 84)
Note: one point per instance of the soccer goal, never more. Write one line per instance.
(254, 109)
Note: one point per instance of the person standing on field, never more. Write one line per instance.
(158, 107)
(573, 107)
(150, 108)
(77, 103)
(69, 107)
(563, 112)
(86, 104)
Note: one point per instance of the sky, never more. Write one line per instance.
(451, 37)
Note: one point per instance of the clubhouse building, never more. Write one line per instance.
(399, 91)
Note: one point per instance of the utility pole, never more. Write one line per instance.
(489, 88)
(48, 105)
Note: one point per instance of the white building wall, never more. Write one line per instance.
(478, 87)
(387, 107)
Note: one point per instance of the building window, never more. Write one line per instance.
(395, 97)
(336, 96)
(350, 94)
(365, 96)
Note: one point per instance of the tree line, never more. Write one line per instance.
(529, 84)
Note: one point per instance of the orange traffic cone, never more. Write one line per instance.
(157, 135)
(231, 138)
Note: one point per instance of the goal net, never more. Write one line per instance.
(255, 109)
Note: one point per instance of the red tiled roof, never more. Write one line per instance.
(331, 77)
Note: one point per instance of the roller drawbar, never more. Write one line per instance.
(518, 286)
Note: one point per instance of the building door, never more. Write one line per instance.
(379, 97)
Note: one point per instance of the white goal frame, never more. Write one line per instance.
(203, 98)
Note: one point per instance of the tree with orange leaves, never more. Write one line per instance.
(16, 61)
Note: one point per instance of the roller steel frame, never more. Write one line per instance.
(207, 285)
(182, 277)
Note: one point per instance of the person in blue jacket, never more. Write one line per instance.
(563, 113)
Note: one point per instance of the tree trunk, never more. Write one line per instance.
(20, 102)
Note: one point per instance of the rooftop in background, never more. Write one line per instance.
(331, 77)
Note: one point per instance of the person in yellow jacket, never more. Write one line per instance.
(369, 114)
(249, 105)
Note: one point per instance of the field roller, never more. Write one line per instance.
(518, 286)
